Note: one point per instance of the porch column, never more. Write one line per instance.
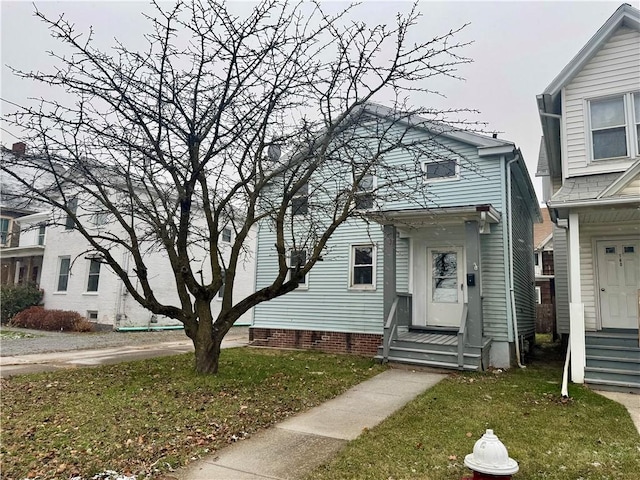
(389, 270)
(474, 301)
(576, 307)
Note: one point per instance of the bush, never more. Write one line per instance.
(15, 298)
(58, 320)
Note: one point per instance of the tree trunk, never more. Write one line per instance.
(207, 346)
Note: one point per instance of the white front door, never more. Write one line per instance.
(618, 283)
(445, 288)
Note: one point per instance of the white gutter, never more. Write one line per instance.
(593, 202)
(514, 317)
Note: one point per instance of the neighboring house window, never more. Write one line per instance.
(42, 229)
(441, 170)
(300, 202)
(298, 259)
(94, 275)
(226, 235)
(63, 273)
(364, 192)
(538, 295)
(92, 315)
(221, 290)
(72, 205)
(614, 124)
(100, 218)
(363, 272)
(5, 223)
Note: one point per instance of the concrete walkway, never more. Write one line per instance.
(629, 400)
(294, 447)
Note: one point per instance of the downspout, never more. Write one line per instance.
(514, 317)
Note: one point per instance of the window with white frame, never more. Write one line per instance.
(64, 266)
(42, 230)
(94, 275)
(440, 170)
(300, 201)
(72, 205)
(221, 289)
(226, 235)
(363, 267)
(297, 260)
(100, 218)
(614, 126)
(538, 295)
(5, 225)
(364, 192)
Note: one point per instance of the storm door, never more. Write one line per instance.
(445, 288)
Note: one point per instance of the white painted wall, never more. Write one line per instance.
(112, 302)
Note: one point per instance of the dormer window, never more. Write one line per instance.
(615, 126)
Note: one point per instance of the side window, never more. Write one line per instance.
(300, 202)
(608, 128)
(5, 223)
(440, 170)
(42, 230)
(64, 265)
(72, 205)
(297, 259)
(364, 193)
(226, 235)
(363, 267)
(94, 275)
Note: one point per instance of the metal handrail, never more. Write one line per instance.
(462, 335)
(389, 330)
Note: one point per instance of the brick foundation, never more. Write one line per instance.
(365, 344)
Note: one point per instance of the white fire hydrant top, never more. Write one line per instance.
(490, 456)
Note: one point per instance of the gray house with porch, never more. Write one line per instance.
(450, 284)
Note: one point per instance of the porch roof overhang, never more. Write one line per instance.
(419, 217)
(21, 252)
(562, 209)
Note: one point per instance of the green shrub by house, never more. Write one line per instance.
(15, 298)
(55, 320)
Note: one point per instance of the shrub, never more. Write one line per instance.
(15, 298)
(60, 320)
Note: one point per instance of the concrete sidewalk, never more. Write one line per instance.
(294, 447)
(45, 362)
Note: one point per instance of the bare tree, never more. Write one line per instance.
(228, 120)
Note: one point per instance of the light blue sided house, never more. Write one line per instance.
(451, 285)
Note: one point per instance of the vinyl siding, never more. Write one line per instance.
(523, 268)
(560, 269)
(494, 285)
(632, 188)
(614, 69)
(328, 303)
(402, 265)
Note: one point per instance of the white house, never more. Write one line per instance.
(590, 115)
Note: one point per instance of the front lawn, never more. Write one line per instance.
(154, 415)
(12, 334)
(586, 437)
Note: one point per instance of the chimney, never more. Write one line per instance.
(19, 148)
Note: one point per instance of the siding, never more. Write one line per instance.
(614, 69)
(633, 188)
(560, 268)
(327, 304)
(494, 285)
(523, 268)
(402, 265)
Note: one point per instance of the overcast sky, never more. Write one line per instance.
(518, 49)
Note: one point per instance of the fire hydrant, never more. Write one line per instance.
(490, 459)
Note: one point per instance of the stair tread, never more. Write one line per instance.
(430, 363)
(613, 347)
(437, 352)
(617, 383)
(618, 371)
(612, 359)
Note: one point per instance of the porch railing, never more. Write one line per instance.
(399, 315)
(462, 335)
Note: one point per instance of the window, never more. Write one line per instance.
(5, 223)
(362, 267)
(100, 218)
(538, 295)
(300, 202)
(297, 260)
(94, 275)
(72, 205)
(441, 170)
(92, 315)
(614, 126)
(221, 290)
(42, 228)
(63, 273)
(364, 192)
(226, 235)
